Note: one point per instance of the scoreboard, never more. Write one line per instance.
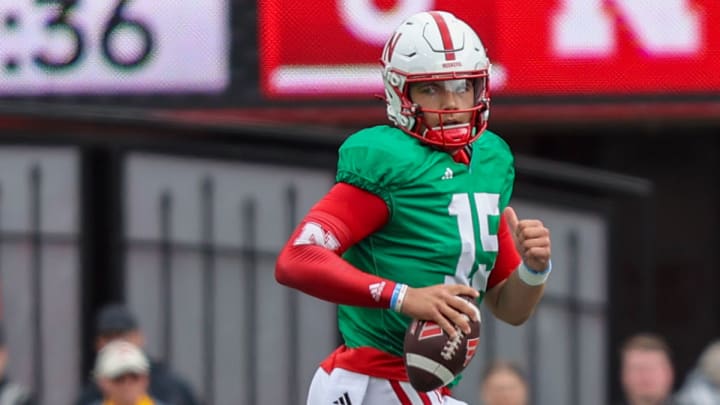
(113, 46)
(561, 47)
(260, 54)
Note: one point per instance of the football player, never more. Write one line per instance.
(418, 216)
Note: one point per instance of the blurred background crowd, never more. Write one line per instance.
(155, 155)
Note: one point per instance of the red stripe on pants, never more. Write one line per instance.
(402, 396)
(425, 398)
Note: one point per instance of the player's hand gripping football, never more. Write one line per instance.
(532, 240)
(441, 304)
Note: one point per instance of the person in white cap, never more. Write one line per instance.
(115, 321)
(121, 372)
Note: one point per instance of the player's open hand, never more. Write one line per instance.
(532, 240)
(441, 304)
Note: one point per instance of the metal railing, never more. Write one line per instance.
(250, 256)
(27, 270)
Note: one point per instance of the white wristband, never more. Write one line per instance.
(532, 277)
(398, 296)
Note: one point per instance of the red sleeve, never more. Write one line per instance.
(508, 258)
(311, 262)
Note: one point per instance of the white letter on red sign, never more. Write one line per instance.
(374, 26)
(584, 28)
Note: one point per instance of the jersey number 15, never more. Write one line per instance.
(486, 204)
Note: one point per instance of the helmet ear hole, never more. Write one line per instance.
(394, 80)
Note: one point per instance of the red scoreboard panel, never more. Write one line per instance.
(330, 48)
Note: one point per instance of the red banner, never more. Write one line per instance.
(330, 48)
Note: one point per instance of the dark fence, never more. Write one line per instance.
(39, 268)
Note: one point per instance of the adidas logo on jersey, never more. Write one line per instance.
(343, 400)
(376, 289)
(448, 174)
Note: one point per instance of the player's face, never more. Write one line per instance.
(446, 95)
(504, 387)
(646, 375)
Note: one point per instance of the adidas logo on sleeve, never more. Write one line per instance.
(376, 290)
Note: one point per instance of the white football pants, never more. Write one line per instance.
(342, 387)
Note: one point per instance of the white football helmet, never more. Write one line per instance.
(433, 46)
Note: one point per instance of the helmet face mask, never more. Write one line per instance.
(437, 50)
(458, 124)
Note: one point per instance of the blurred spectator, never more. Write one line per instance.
(121, 371)
(504, 383)
(647, 373)
(702, 386)
(11, 393)
(116, 322)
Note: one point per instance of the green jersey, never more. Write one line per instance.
(442, 226)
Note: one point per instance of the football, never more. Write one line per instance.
(432, 359)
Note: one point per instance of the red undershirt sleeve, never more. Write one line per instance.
(508, 258)
(310, 261)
